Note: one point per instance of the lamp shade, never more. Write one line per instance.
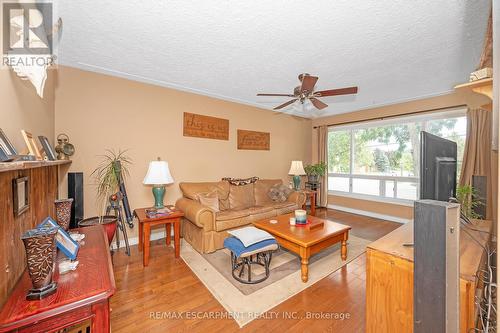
(158, 174)
(296, 169)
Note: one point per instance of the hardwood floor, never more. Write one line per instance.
(167, 296)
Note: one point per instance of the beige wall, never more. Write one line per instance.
(99, 112)
(21, 108)
(377, 207)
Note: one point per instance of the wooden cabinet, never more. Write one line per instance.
(389, 279)
(82, 295)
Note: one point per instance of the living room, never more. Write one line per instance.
(298, 124)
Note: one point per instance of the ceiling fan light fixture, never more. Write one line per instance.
(305, 93)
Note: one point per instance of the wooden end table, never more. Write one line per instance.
(145, 224)
(312, 199)
(308, 240)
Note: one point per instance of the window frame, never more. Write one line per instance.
(424, 118)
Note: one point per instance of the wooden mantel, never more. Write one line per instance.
(13, 166)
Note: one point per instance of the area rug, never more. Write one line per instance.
(245, 303)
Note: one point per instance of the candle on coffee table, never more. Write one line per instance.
(300, 216)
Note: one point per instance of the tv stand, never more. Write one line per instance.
(389, 278)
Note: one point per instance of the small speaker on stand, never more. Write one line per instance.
(75, 191)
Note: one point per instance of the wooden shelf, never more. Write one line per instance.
(23, 165)
(483, 87)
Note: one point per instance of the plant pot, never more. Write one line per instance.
(312, 178)
(40, 248)
(108, 222)
(63, 212)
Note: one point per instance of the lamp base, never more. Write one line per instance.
(296, 183)
(159, 193)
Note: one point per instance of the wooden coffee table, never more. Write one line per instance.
(308, 240)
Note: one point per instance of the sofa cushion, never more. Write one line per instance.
(231, 214)
(191, 190)
(261, 190)
(209, 199)
(229, 219)
(241, 197)
(279, 193)
(281, 208)
(261, 213)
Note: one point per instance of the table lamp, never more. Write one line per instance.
(297, 170)
(158, 175)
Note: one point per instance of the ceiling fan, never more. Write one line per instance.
(306, 91)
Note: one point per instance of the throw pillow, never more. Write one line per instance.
(209, 199)
(279, 193)
(240, 181)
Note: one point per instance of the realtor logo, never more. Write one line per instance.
(27, 28)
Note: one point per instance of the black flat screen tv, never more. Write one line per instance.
(438, 167)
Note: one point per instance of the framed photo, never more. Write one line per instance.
(31, 144)
(3, 156)
(64, 241)
(20, 195)
(6, 145)
(47, 148)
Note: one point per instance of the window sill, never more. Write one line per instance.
(401, 202)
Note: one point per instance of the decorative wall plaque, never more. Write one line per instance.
(252, 140)
(207, 127)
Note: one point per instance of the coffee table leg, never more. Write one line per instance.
(343, 248)
(304, 264)
(304, 269)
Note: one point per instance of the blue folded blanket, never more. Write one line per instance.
(237, 247)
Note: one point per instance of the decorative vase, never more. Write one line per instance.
(40, 247)
(108, 222)
(63, 212)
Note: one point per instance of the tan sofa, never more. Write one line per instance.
(206, 229)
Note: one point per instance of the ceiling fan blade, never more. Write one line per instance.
(317, 103)
(285, 104)
(308, 83)
(335, 92)
(286, 95)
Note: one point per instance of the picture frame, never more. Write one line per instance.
(4, 157)
(64, 242)
(31, 144)
(47, 148)
(20, 195)
(6, 145)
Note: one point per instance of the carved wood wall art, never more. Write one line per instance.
(252, 140)
(200, 126)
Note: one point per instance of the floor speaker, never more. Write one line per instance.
(436, 267)
(75, 191)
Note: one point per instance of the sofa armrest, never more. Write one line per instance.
(197, 213)
(298, 198)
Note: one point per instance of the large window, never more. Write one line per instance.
(382, 159)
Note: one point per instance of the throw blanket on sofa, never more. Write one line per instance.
(240, 181)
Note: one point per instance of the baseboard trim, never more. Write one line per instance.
(370, 214)
(135, 240)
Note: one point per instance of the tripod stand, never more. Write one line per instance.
(114, 204)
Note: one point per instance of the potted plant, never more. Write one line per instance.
(315, 171)
(467, 196)
(108, 175)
